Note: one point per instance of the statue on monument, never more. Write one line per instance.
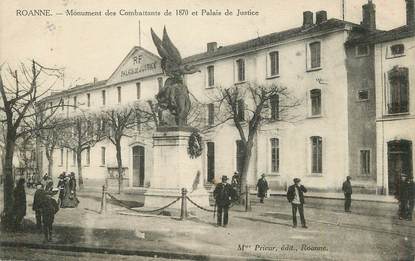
(174, 95)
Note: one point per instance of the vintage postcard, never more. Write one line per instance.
(207, 130)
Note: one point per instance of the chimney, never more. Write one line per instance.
(369, 15)
(212, 46)
(410, 13)
(321, 16)
(307, 19)
(95, 80)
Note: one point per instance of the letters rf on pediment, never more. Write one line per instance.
(138, 64)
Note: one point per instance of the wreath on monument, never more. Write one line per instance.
(195, 145)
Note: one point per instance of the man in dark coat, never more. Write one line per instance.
(347, 190)
(296, 197)
(411, 197)
(223, 195)
(403, 197)
(19, 203)
(262, 187)
(37, 202)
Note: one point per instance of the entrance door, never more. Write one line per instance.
(210, 161)
(240, 151)
(399, 161)
(138, 166)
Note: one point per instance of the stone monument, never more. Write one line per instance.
(174, 167)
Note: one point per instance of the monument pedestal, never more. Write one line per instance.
(174, 170)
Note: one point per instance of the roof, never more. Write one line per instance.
(384, 36)
(74, 89)
(272, 38)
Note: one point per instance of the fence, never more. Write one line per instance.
(183, 206)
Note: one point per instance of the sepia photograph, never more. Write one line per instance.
(207, 130)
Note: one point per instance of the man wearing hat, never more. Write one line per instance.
(296, 198)
(223, 195)
(37, 202)
(347, 190)
(403, 197)
(262, 187)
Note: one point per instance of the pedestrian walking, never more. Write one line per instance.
(19, 203)
(36, 207)
(411, 198)
(223, 194)
(403, 197)
(347, 190)
(61, 187)
(49, 207)
(296, 197)
(262, 188)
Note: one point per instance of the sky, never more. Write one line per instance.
(89, 47)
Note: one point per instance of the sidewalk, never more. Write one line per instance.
(265, 233)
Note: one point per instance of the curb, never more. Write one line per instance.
(125, 252)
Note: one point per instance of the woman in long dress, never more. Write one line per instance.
(69, 199)
(19, 203)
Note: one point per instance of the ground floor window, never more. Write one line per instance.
(316, 154)
(364, 162)
(275, 155)
(102, 156)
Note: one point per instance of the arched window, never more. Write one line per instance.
(315, 102)
(398, 101)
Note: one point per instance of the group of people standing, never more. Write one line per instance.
(44, 205)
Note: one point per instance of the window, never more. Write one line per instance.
(138, 86)
(363, 95)
(104, 98)
(62, 104)
(398, 101)
(160, 82)
(315, 55)
(240, 110)
(61, 158)
(73, 158)
(362, 50)
(315, 99)
(275, 155)
(211, 114)
(274, 64)
(119, 94)
(316, 155)
(88, 99)
(88, 156)
(365, 162)
(211, 75)
(75, 103)
(397, 49)
(102, 156)
(275, 107)
(240, 70)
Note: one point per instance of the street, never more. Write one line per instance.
(371, 232)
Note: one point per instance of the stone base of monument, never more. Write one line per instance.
(174, 170)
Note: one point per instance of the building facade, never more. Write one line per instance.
(324, 63)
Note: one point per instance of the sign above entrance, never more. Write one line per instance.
(137, 64)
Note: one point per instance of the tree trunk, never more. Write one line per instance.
(119, 164)
(7, 220)
(244, 174)
(79, 164)
(49, 156)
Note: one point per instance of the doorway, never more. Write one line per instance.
(399, 161)
(138, 166)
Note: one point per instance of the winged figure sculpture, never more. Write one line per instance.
(174, 95)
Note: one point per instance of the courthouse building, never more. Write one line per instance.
(325, 63)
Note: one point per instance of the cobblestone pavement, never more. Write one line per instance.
(370, 232)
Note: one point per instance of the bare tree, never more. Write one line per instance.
(248, 107)
(80, 133)
(20, 90)
(122, 121)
